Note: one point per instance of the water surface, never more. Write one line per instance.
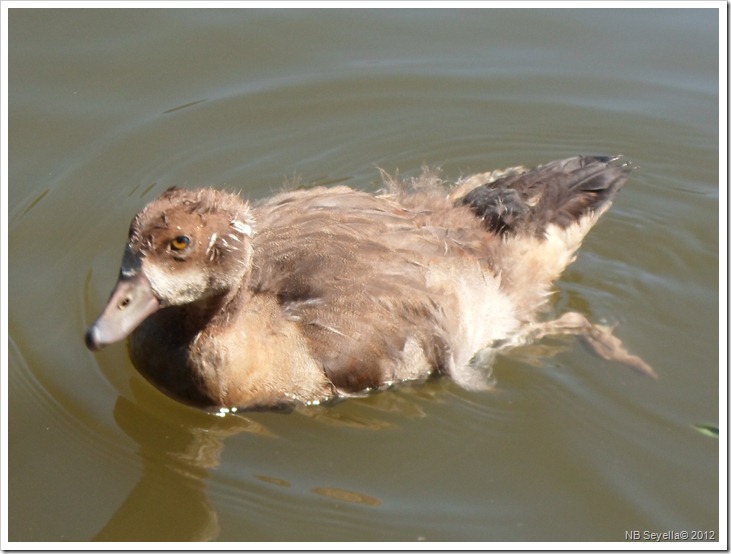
(107, 108)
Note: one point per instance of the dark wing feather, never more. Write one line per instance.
(558, 193)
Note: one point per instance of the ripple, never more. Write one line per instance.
(564, 446)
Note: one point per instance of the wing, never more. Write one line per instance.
(343, 265)
(559, 193)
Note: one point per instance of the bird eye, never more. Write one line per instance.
(179, 243)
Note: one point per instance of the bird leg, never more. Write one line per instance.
(598, 338)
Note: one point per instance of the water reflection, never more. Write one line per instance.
(460, 465)
(347, 496)
(273, 480)
(179, 495)
(170, 502)
(375, 410)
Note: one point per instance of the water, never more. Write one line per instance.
(107, 108)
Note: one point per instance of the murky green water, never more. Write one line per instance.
(107, 108)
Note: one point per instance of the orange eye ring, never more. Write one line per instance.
(179, 243)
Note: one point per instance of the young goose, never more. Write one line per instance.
(317, 294)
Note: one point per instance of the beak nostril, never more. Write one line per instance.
(129, 304)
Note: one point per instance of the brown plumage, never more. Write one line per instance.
(315, 294)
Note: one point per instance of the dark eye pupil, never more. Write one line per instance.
(180, 242)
